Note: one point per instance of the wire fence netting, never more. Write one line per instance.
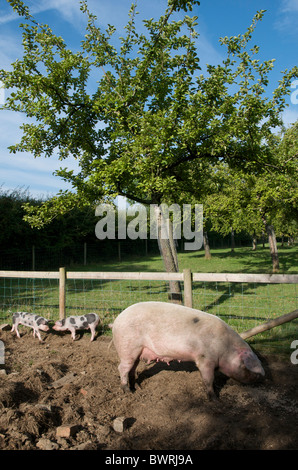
(243, 305)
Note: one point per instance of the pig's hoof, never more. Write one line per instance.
(126, 388)
(212, 397)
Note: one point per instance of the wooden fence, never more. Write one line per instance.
(187, 277)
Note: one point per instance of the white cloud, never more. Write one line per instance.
(10, 50)
(39, 185)
(8, 17)
(207, 53)
(287, 17)
(69, 9)
(114, 12)
(22, 169)
(36, 174)
(289, 5)
(290, 115)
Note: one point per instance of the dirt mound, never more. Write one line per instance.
(76, 384)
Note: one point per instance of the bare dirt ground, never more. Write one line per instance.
(61, 382)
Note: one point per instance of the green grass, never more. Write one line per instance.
(242, 305)
(242, 260)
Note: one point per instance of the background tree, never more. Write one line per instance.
(64, 234)
(286, 219)
(152, 125)
(14, 230)
(257, 203)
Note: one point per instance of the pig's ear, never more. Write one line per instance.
(249, 359)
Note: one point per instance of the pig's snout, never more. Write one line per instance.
(44, 327)
(247, 368)
(252, 365)
(258, 371)
(248, 376)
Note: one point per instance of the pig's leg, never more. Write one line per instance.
(73, 333)
(92, 329)
(132, 375)
(15, 328)
(206, 369)
(37, 333)
(127, 373)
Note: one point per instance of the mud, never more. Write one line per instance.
(76, 384)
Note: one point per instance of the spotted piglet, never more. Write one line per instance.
(29, 319)
(81, 322)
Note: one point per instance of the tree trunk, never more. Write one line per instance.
(282, 240)
(206, 246)
(168, 252)
(273, 247)
(254, 242)
(263, 239)
(232, 240)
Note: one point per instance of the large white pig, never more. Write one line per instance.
(160, 331)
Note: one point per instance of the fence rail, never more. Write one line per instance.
(186, 277)
(157, 276)
(257, 278)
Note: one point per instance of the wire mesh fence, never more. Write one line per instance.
(32, 295)
(243, 304)
(110, 297)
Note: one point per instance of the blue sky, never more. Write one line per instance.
(277, 36)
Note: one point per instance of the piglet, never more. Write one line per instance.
(158, 331)
(29, 319)
(81, 322)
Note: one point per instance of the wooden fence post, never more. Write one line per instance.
(187, 279)
(62, 287)
(85, 254)
(33, 258)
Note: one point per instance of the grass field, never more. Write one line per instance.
(242, 305)
(242, 260)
